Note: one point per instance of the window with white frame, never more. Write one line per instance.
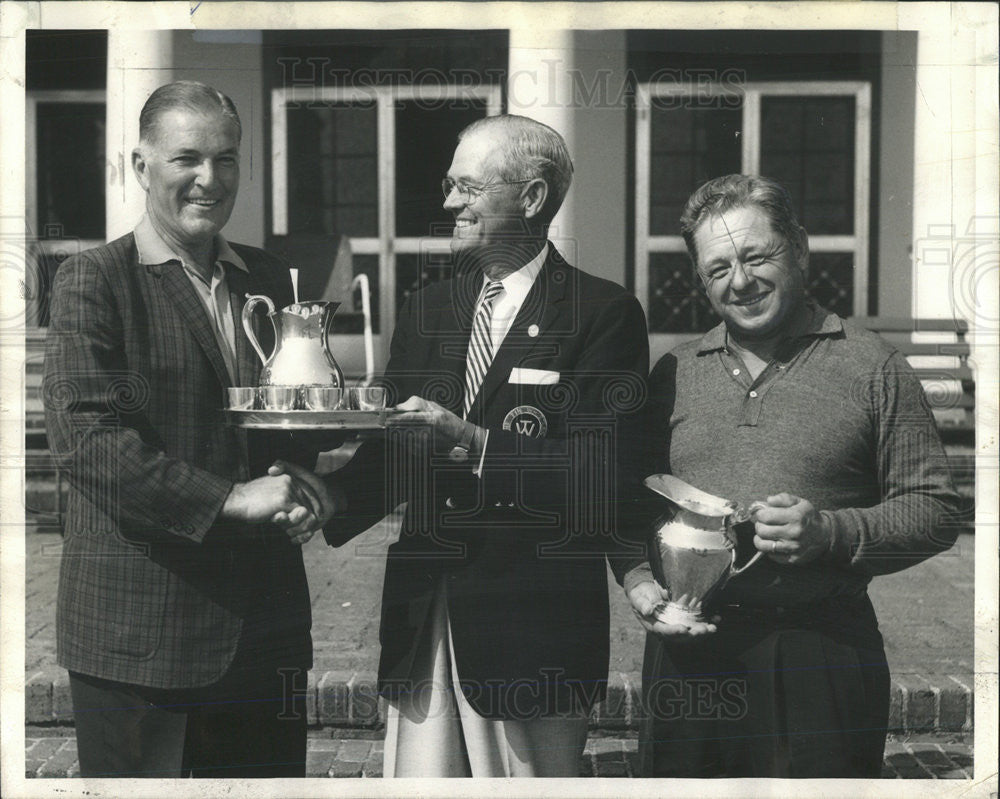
(367, 163)
(64, 185)
(813, 137)
(65, 162)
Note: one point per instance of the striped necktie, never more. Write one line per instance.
(480, 346)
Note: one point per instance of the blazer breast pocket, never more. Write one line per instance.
(533, 377)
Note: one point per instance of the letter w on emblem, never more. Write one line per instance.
(524, 427)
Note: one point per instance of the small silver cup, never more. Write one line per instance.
(279, 398)
(367, 398)
(321, 398)
(242, 398)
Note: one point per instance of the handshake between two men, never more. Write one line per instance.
(300, 502)
(289, 496)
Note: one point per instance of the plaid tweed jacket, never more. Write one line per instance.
(152, 589)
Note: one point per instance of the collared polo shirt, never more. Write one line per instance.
(837, 418)
(820, 324)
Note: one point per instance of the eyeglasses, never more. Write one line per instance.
(470, 193)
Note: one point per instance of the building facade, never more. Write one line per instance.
(348, 132)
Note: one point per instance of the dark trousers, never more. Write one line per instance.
(252, 723)
(768, 697)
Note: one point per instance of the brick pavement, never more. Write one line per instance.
(51, 752)
(925, 614)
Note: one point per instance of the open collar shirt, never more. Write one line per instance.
(213, 293)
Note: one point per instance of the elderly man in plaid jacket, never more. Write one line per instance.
(183, 609)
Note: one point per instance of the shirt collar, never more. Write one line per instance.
(517, 284)
(154, 250)
(820, 323)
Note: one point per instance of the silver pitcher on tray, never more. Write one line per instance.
(301, 355)
(692, 547)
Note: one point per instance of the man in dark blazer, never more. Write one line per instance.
(494, 625)
(183, 611)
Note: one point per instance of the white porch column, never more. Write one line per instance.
(540, 86)
(599, 152)
(574, 81)
(138, 62)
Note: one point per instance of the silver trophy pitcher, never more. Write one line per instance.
(301, 355)
(692, 547)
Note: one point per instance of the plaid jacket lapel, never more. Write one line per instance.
(192, 313)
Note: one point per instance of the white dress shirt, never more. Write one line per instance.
(508, 303)
(505, 309)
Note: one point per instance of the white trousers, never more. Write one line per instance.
(434, 732)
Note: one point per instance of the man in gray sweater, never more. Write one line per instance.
(826, 426)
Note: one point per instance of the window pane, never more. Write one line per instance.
(70, 162)
(807, 144)
(333, 169)
(677, 302)
(688, 146)
(416, 270)
(426, 135)
(831, 281)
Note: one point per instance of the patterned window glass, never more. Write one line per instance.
(677, 300)
(831, 281)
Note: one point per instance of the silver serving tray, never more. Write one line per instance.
(311, 420)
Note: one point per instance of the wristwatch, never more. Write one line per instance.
(460, 452)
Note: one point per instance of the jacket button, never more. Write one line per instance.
(449, 503)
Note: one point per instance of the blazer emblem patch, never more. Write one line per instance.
(526, 420)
